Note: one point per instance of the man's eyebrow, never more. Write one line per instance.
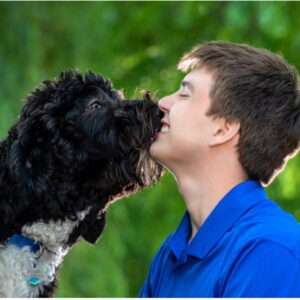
(187, 84)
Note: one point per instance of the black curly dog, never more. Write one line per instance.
(76, 147)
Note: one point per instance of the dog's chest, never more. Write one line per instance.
(25, 273)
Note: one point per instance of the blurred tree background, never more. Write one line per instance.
(137, 45)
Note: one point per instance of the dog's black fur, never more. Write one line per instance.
(76, 144)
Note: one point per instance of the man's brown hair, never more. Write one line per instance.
(259, 90)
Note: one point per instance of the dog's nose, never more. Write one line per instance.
(160, 114)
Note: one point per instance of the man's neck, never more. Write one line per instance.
(202, 191)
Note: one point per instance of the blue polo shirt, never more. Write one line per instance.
(247, 247)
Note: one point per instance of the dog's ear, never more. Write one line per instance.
(92, 228)
(42, 135)
(30, 159)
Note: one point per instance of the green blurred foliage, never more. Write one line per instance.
(136, 44)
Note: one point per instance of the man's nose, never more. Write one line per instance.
(166, 103)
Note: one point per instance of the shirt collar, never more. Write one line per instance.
(233, 205)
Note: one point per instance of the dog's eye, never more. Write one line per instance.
(94, 105)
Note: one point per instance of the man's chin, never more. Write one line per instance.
(155, 150)
(152, 150)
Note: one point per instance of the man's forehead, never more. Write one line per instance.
(188, 84)
(197, 77)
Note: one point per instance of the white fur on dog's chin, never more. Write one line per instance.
(17, 265)
(53, 233)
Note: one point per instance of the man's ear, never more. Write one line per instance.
(224, 131)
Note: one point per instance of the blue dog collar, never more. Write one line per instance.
(22, 241)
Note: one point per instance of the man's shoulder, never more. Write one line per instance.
(269, 223)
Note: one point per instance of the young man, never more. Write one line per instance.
(229, 129)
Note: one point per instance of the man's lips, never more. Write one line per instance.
(165, 127)
(164, 122)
